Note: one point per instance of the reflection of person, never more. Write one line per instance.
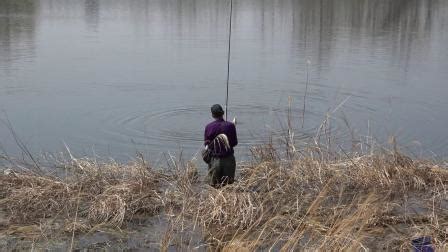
(220, 137)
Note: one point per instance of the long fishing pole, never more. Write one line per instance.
(228, 55)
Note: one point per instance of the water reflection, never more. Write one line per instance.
(317, 27)
(92, 10)
(17, 31)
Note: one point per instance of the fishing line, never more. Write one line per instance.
(228, 55)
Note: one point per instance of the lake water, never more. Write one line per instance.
(109, 77)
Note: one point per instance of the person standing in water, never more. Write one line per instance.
(220, 137)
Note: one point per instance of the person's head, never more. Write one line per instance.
(217, 111)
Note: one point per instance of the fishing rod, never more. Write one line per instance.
(228, 56)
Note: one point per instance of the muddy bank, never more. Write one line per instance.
(53, 236)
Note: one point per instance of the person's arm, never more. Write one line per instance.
(233, 140)
(207, 139)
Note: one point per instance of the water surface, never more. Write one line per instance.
(110, 77)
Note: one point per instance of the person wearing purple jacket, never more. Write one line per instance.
(220, 137)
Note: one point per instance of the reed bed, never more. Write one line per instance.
(104, 194)
(343, 202)
(379, 201)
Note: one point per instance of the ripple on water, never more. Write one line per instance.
(184, 126)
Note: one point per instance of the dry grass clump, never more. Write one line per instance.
(28, 197)
(105, 193)
(378, 201)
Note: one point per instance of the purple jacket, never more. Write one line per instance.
(219, 126)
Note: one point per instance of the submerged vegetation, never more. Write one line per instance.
(349, 201)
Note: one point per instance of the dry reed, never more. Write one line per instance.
(106, 193)
(355, 203)
(347, 202)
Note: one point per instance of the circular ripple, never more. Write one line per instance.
(184, 126)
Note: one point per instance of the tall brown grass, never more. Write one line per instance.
(105, 194)
(378, 201)
(346, 202)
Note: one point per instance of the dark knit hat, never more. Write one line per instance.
(217, 110)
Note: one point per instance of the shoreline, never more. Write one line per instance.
(281, 201)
